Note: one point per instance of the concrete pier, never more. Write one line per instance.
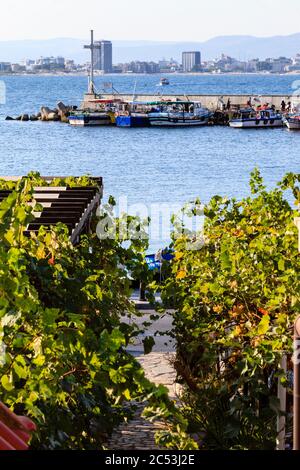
(211, 102)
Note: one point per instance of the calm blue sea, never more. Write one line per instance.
(148, 166)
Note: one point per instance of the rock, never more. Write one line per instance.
(18, 118)
(53, 116)
(24, 117)
(48, 114)
(45, 111)
(33, 117)
(9, 118)
(62, 109)
(65, 119)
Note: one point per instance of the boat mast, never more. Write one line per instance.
(92, 62)
(92, 48)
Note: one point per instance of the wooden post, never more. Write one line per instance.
(296, 360)
(281, 420)
(296, 407)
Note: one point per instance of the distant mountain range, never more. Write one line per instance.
(240, 47)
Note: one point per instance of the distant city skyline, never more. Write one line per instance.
(243, 48)
(191, 62)
(162, 21)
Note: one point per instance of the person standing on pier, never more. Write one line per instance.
(283, 106)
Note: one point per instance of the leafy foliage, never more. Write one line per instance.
(235, 303)
(62, 338)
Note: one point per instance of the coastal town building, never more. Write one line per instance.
(139, 67)
(5, 67)
(103, 56)
(18, 68)
(229, 64)
(281, 64)
(47, 64)
(191, 61)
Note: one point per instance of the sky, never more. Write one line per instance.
(156, 20)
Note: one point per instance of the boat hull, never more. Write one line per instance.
(166, 120)
(292, 124)
(255, 123)
(156, 123)
(84, 120)
(132, 121)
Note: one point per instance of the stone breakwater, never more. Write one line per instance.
(60, 113)
(212, 102)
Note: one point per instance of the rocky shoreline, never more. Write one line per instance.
(59, 114)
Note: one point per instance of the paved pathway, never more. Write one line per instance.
(138, 433)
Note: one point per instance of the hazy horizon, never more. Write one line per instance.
(145, 40)
(166, 21)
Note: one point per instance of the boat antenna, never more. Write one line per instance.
(134, 90)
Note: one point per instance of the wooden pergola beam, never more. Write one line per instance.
(72, 206)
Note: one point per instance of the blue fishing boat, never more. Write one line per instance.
(132, 120)
(132, 114)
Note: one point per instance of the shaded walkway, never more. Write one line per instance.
(138, 433)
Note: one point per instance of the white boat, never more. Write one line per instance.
(89, 118)
(264, 118)
(179, 114)
(292, 121)
(164, 81)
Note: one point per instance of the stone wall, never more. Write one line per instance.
(209, 101)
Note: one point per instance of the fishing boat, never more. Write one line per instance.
(261, 118)
(132, 120)
(164, 81)
(89, 118)
(96, 112)
(132, 114)
(292, 121)
(178, 114)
